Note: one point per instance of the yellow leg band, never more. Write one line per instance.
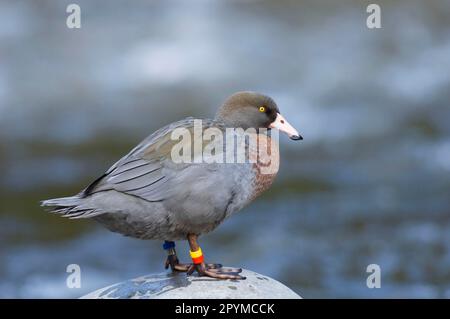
(196, 254)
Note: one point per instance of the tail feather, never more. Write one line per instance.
(71, 207)
(62, 202)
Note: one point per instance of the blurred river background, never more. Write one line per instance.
(369, 184)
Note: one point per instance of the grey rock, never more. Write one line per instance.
(180, 286)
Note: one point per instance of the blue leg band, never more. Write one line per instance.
(168, 245)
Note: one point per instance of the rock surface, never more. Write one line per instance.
(180, 286)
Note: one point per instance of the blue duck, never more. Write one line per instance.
(149, 195)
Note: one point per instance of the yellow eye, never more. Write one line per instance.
(262, 109)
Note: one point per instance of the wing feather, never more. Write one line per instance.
(146, 171)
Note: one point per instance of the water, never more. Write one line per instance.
(369, 184)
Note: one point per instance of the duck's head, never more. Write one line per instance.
(254, 110)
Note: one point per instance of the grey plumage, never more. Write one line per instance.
(148, 196)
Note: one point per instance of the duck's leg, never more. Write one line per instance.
(173, 262)
(203, 269)
(172, 258)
